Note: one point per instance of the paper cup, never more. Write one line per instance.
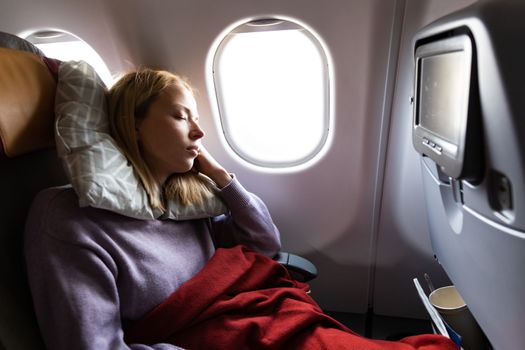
(456, 314)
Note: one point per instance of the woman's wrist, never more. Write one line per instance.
(221, 178)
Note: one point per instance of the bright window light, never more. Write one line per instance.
(272, 86)
(67, 47)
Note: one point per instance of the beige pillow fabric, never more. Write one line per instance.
(98, 171)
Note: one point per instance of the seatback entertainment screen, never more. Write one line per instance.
(442, 95)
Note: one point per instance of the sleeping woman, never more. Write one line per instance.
(104, 280)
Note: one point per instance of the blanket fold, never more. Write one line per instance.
(244, 300)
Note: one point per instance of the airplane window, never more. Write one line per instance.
(271, 80)
(67, 47)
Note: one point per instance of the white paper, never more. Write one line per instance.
(434, 314)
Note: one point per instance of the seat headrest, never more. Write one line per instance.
(27, 98)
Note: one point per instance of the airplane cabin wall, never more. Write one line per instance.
(325, 211)
(332, 212)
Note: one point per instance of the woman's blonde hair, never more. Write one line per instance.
(129, 100)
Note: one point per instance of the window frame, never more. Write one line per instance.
(45, 36)
(214, 83)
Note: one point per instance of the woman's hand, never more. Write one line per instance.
(206, 164)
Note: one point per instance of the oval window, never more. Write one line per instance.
(271, 81)
(68, 47)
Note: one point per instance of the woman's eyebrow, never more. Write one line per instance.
(179, 106)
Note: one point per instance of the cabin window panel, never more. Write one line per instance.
(68, 47)
(272, 87)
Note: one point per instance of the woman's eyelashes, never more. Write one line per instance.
(183, 116)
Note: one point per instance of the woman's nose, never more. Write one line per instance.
(196, 131)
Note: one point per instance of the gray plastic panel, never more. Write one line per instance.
(478, 231)
(484, 259)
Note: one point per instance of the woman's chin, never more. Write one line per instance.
(184, 169)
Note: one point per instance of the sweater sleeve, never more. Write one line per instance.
(74, 291)
(249, 223)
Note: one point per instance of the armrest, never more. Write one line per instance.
(299, 268)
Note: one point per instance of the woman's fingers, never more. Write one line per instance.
(206, 164)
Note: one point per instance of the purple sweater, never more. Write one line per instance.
(91, 270)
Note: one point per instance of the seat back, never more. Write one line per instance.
(28, 164)
(477, 223)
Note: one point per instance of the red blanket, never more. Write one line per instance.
(243, 300)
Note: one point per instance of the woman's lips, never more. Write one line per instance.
(194, 150)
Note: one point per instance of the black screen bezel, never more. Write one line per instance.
(448, 155)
